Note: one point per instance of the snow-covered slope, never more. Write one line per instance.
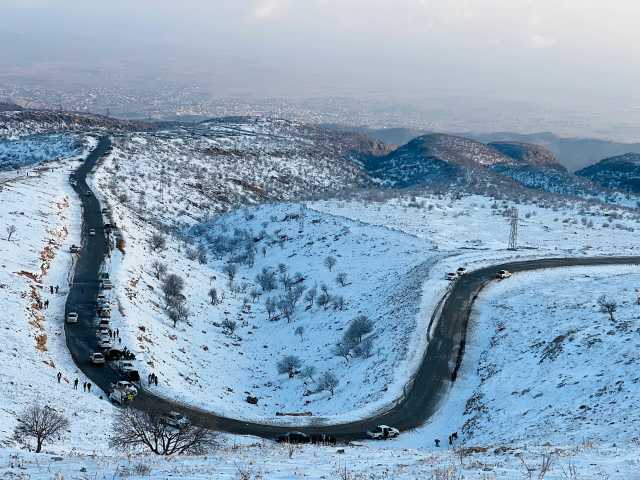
(618, 173)
(45, 213)
(36, 149)
(188, 174)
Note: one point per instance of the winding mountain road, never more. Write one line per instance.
(438, 369)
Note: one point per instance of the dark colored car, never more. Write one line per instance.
(294, 438)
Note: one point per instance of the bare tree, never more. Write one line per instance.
(213, 295)
(159, 269)
(254, 294)
(11, 229)
(179, 312)
(328, 381)
(135, 429)
(300, 332)
(270, 306)
(202, 254)
(40, 423)
(308, 372)
(330, 262)
(230, 270)
(343, 350)
(323, 300)
(607, 306)
(172, 287)
(289, 365)
(157, 242)
(286, 307)
(310, 296)
(267, 280)
(341, 279)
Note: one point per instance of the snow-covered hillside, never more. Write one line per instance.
(186, 175)
(36, 149)
(225, 352)
(45, 215)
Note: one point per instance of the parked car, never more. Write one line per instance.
(103, 276)
(382, 432)
(103, 323)
(102, 332)
(132, 376)
(74, 249)
(461, 271)
(88, 193)
(97, 358)
(125, 366)
(92, 232)
(72, 317)
(106, 284)
(451, 276)
(502, 274)
(175, 420)
(104, 313)
(104, 343)
(293, 437)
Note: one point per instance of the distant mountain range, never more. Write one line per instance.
(619, 173)
(573, 153)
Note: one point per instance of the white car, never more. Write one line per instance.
(175, 420)
(451, 276)
(106, 284)
(104, 342)
(125, 366)
(502, 274)
(382, 432)
(92, 232)
(102, 333)
(97, 358)
(461, 271)
(72, 317)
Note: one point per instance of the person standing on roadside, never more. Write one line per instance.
(59, 376)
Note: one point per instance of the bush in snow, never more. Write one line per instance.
(310, 296)
(328, 381)
(229, 326)
(359, 327)
(289, 365)
(300, 331)
(11, 229)
(157, 242)
(178, 312)
(607, 306)
(230, 270)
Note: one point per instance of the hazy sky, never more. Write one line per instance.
(566, 50)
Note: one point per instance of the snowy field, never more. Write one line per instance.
(265, 460)
(469, 223)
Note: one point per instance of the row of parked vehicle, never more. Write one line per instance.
(381, 432)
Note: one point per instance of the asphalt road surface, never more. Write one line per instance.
(438, 369)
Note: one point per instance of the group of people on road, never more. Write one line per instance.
(86, 386)
(152, 379)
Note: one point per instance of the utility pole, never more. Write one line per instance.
(301, 215)
(513, 235)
